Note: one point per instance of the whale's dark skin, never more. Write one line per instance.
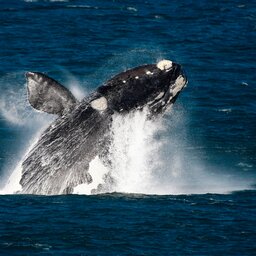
(60, 159)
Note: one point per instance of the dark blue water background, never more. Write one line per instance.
(88, 42)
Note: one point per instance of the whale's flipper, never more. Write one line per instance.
(46, 94)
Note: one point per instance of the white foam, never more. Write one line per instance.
(133, 9)
(133, 153)
(82, 6)
(227, 110)
(13, 108)
(149, 158)
(12, 185)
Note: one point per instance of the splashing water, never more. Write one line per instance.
(14, 106)
(149, 157)
(15, 110)
(146, 156)
(13, 182)
(134, 152)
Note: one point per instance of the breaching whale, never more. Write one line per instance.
(60, 159)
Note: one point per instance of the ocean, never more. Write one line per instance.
(185, 184)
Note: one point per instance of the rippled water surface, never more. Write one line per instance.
(120, 224)
(201, 197)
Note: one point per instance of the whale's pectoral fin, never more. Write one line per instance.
(46, 94)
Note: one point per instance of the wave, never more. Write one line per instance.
(82, 6)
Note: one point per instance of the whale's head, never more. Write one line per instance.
(155, 86)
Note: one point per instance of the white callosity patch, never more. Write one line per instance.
(100, 104)
(136, 77)
(30, 73)
(35, 78)
(149, 73)
(178, 85)
(159, 96)
(164, 65)
(97, 171)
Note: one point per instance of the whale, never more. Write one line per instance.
(60, 159)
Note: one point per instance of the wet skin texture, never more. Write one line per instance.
(60, 159)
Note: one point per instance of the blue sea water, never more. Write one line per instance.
(208, 206)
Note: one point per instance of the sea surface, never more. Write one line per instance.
(187, 184)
